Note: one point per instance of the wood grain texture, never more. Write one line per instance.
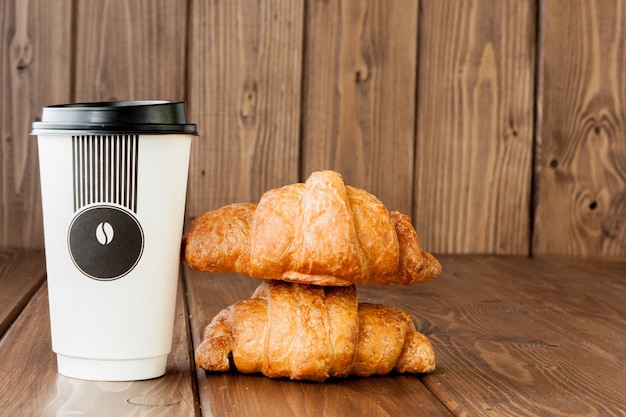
(130, 50)
(513, 336)
(21, 274)
(245, 74)
(359, 95)
(234, 394)
(585, 306)
(30, 384)
(426, 104)
(473, 158)
(609, 272)
(35, 71)
(582, 166)
(503, 348)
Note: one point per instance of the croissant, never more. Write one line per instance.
(307, 332)
(321, 232)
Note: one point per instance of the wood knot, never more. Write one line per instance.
(248, 100)
(21, 53)
(614, 226)
(361, 74)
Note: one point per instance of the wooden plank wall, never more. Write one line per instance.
(582, 134)
(498, 125)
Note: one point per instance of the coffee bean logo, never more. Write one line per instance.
(104, 233)
(105, 242)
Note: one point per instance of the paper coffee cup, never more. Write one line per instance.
(113, 186)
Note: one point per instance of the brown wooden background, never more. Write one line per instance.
(498, 125)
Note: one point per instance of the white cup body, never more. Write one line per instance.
(113, 325)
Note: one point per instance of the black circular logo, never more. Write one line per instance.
(105, 242)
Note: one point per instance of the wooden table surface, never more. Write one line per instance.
(513, 336)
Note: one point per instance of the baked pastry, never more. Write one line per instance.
(307, 332)
(321, 232)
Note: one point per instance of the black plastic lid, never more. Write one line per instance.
(146, 117)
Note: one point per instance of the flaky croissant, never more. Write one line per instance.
(321, 232)
(308, 332)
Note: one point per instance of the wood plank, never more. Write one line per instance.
(498, 356)
(358, 113)
(30, 384)
(130, 50)
(244, 92)
(607, 272)
(233, 394)
(35, 51)
(21, 274)
(577, 303)
(582, 166)
(475, 126)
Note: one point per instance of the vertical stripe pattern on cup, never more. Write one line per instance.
(104, 169)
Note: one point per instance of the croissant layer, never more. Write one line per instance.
(305, 332)
(321, 232)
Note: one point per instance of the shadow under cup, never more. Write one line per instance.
(113, 186)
